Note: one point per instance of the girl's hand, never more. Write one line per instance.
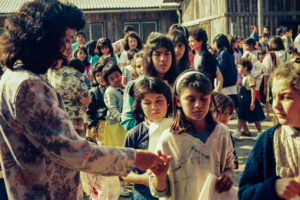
(224, 183)
(252, 107)
(160, 171)
(287, 188)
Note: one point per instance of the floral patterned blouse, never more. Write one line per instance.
(72, 87)
(41, 153)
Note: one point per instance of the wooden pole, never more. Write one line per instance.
(260, 16)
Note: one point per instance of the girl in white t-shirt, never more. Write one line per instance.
(197, 144)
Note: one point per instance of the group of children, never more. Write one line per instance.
(164, 107)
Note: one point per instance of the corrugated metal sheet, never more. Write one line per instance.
(10, 6)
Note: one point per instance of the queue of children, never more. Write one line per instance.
(152, 98)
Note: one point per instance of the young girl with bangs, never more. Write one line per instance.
(153, 103)
(161, 63)
(197, 144)
(103, 49)
(181, 49)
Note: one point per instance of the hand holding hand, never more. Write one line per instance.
(160, 171)
(147, 160)
(288, 188)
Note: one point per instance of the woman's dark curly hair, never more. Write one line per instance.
(154, 43)
(132, 34)
(102, 42)
(34, 34)
(149, 84)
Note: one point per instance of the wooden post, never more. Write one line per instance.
(260, 16)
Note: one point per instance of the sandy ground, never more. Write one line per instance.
(243, 147)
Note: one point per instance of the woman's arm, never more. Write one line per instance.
(219, 78)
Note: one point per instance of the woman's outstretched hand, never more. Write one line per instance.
(147, 160)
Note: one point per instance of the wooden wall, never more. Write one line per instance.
(242, 14)
(236, 16)
(114, 21)
(206, 14)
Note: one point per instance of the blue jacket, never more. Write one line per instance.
(227, 68)
(258, 179)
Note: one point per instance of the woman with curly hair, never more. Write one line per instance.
(41, 153)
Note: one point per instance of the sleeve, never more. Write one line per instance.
(41, 114)
(267, 65)
(123, 57)
(250, 81)
(128, 122)
(114, 58)
(92, 110)
(82, 89)
(254, 185)
(154, 192)
(130, 139)
(111, 100)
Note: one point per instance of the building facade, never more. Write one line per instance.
(107, 18)
(236, 16)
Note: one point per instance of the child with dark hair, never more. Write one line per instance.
(104, 49)
(152, 104)
(97, 109)
(91, 47)
(80, 40)
(250, 51)
(181, 48)
(114, 133)
(249, 108)
(222, 111)
(161, 63)
(81, 54)
(204, 61)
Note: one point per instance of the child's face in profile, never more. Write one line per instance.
(154, 106)
(139, 66)
(115, 79)
(286, 104)
(99, 78)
